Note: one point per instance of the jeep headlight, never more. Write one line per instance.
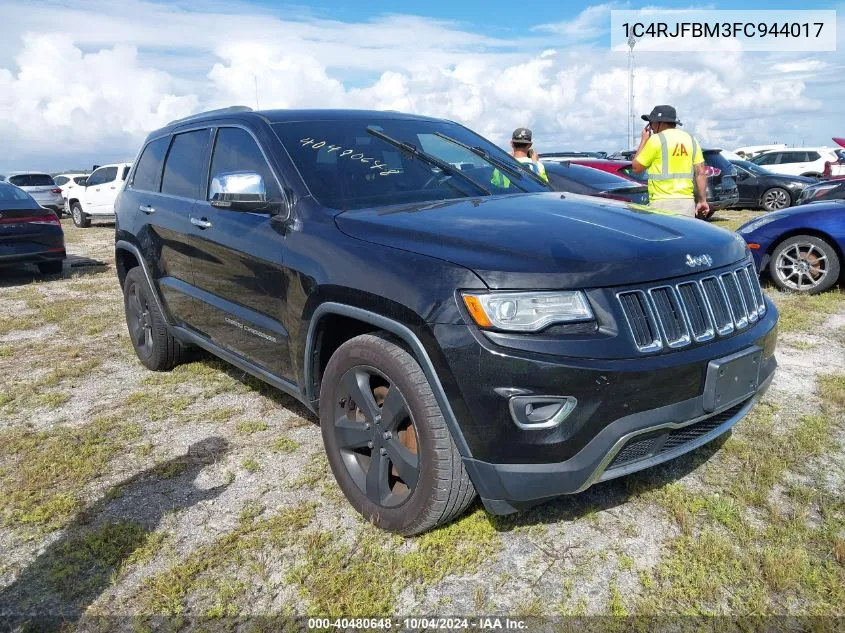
(527, 311)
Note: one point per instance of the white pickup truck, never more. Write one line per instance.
(96, 199)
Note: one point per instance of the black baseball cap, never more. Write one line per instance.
(662, 114)
(521, 135)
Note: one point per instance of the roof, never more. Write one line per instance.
(242, 113)
(26, 173)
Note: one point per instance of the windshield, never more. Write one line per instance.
(755, 169)
(345, 167)
(31, 180)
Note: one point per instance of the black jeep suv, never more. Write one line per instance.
(457, 327)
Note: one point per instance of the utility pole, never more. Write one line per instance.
(631, 130)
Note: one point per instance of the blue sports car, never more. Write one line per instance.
(802, 247)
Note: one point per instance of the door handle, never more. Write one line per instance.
(147, 209)
(201, 222)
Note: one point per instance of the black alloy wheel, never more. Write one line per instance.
(376, 436)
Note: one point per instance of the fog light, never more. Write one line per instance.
(540, 412)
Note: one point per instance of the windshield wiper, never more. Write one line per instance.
(428, 158)
(516, 172)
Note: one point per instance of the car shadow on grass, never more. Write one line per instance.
(64, 580)
(74, 266)
(610, 494)
(279, 398)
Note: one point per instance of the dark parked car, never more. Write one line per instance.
(802, 247)
(760, 188)
(722, 190)
(820, 191)
(29, 233)
(455, 336)
(721, 184)
(564, 176)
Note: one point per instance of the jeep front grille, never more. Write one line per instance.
(694, 310)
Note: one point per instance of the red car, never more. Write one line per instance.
(618, 167)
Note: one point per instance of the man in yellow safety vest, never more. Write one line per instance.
(673, 159)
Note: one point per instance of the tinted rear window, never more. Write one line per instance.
(715, 159)
(148, 173)
(60, 180)
(560, 182)
(183, 167)
(14, 198)
(31, 180)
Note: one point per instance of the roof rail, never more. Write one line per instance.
(198, 115)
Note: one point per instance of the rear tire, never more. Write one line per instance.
(154, 345)
(51, 268)
(386, 440)
(804, 263)
(80, 218)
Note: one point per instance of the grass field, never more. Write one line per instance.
(202, 493)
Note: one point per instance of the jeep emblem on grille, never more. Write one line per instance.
(699, 260)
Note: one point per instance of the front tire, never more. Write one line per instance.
(804, 263)
(154, 345)
(386, 440)
(80, 218)
(775, 199)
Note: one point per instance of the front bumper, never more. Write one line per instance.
(630, 444)
(632, 413)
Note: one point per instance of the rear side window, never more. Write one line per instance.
(183, 167)
(236, 150)
(31, 180)
(811, 156)
(148, 173)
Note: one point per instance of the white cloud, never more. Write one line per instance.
(591, 23)
(90, 91)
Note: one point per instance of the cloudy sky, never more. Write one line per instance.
(83, 82)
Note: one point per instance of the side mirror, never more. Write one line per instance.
(242, 191)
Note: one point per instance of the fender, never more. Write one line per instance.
(408, 337)
(128, 246)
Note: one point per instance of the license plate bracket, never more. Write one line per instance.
(732, 379)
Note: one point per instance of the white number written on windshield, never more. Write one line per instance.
(351, 154)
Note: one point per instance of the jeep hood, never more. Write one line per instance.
(548, 240)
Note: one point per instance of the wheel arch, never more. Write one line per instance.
(359, 321)
(813, 232)
(125, 254)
